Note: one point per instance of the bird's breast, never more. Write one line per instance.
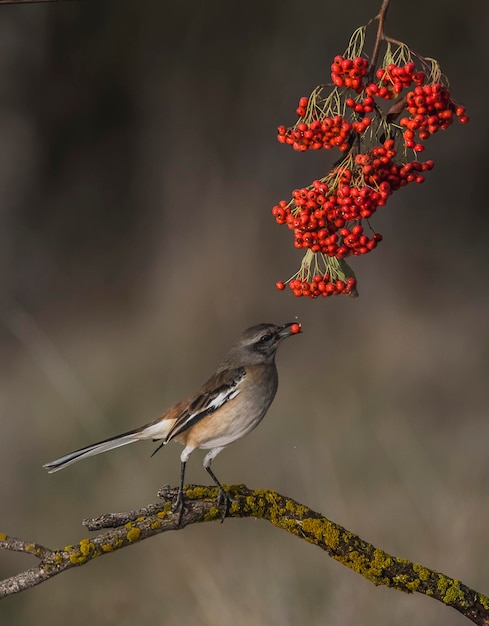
(238, 416)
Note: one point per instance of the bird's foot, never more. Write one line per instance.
(178, 506)
(224, 502)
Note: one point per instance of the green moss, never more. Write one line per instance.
(133, 534)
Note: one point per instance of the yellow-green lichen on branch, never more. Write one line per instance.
(371, 567)
(36, 550)
(404, 583)
(213, 514)
(322, 531)
(256, 504)
(197, 493)
(452, 593)
(86, 546)
(423, 572)
(133, 534)
(80, 554)
(3, 536)
(298, 510)
(77, 558)
(483, 601)
(380, 562)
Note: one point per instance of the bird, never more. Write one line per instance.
(227, 407)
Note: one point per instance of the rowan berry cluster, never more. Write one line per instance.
(330, 132)
(349, 72)
(320, 285)
(431, 109)
(392, 79)
(330, 217)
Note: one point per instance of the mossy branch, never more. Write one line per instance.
(124, 529)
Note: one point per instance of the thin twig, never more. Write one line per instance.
(380, 31)
(35, 1)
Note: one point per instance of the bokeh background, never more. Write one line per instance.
(138, 168)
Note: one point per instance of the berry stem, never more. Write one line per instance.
(380, 33)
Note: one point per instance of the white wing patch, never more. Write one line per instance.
(219, 400)
(204, 410)
(203, 407)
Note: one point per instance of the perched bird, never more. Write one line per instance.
(228, 406)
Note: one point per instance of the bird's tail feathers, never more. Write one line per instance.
(96, 448)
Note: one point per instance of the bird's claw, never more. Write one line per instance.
(178, 506)
(224, 502)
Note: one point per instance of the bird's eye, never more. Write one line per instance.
(266, 338)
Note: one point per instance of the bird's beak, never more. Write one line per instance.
(291, 328)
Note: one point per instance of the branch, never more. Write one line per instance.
(125, 529)
(35, 1)
(382, 14)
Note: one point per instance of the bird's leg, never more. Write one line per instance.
(223, 500)
(178, 505)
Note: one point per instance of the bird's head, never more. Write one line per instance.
(259, 343)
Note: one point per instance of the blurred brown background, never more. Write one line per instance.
(138, 170)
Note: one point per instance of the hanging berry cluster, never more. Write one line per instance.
(330, 217)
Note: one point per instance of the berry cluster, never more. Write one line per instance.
(393, 78)
(380, 170)
(329, 218)
(349, 72)
(328, 133)
(431, 109)
(326, 216)
(320, 285)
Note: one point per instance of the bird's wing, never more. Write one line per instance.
(218, 390)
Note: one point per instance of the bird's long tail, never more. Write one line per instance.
(96, 448)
